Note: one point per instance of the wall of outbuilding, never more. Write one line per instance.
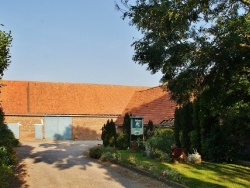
(83, 127)
(27, 128)
(88, 128)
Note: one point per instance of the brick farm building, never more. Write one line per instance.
(49, 110)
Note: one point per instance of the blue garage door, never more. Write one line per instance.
(39, 131)
(14, 127)
(58, 128)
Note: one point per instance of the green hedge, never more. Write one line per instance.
(103, 153)
(7, 155)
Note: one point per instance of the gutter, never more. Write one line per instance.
(65, 115)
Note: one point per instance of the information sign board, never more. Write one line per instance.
(136, 125)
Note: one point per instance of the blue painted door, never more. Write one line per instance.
(14, 127)
(39, 131)
(58, 128)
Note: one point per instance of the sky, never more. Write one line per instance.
(75, 41)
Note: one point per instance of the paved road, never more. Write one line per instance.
(62, 164)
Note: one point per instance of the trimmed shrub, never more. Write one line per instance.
(109, 134)
(159, 145)
(121, 141)
(110, 149)
(161, 156)
(109, 156)
(96, 152)
(163, 139)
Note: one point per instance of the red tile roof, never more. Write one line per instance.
(30, 97)
(153, 104)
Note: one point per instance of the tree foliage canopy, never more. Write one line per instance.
(200, 46)
(5, 43)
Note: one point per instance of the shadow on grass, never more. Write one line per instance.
(205, 175)
(214, 175)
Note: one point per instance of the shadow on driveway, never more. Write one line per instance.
(60, 163)
(63, 154)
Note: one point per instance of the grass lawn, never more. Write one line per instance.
(205, 175)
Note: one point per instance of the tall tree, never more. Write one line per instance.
(202, 47)
(199, 45)
(5, 43)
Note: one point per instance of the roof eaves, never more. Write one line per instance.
(65, 115)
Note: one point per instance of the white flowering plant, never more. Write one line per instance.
(194, 158)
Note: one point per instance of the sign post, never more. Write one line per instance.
(136, 126)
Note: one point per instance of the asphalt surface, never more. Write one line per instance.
(53, 164)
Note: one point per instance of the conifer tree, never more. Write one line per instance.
(126, 127)
(149, 130)
(109, 133)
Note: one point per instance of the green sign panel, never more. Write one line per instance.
(136, 125)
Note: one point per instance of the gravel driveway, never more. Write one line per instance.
(63, 164)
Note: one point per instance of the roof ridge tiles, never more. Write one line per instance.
(75, 83)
